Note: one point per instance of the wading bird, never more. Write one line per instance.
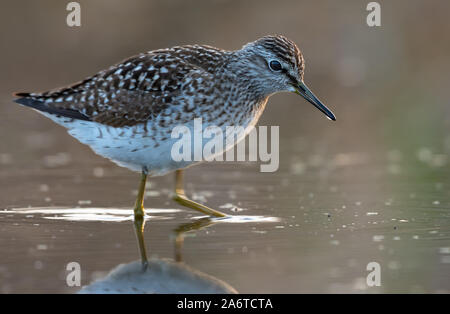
(126, 113)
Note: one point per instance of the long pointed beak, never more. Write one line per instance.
(304, 91)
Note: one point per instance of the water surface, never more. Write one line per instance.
(313, 226)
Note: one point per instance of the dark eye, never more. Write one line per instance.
(275, 65)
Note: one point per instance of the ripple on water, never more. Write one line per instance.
(90, 214)
(121, 214)
(243, 219)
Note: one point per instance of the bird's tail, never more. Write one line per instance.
(37, 102)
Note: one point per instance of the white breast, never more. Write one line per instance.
(134, 147)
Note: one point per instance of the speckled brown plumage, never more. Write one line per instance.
(168, 82)
(132, 91)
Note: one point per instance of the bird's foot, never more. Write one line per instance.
(182, 199)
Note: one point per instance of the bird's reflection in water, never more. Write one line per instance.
(182, 229)
(146, 276)
(160, 275)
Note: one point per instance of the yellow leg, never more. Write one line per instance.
(139, 221)
(181, 198)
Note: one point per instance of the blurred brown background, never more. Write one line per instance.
(388, 87)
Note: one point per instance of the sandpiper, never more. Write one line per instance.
(127, 112)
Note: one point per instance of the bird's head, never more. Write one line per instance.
(276, 64)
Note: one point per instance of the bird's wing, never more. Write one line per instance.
(131, 92)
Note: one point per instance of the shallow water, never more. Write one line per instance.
(313, 226)
(374, 186)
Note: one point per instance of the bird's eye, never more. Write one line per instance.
(275, 65)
